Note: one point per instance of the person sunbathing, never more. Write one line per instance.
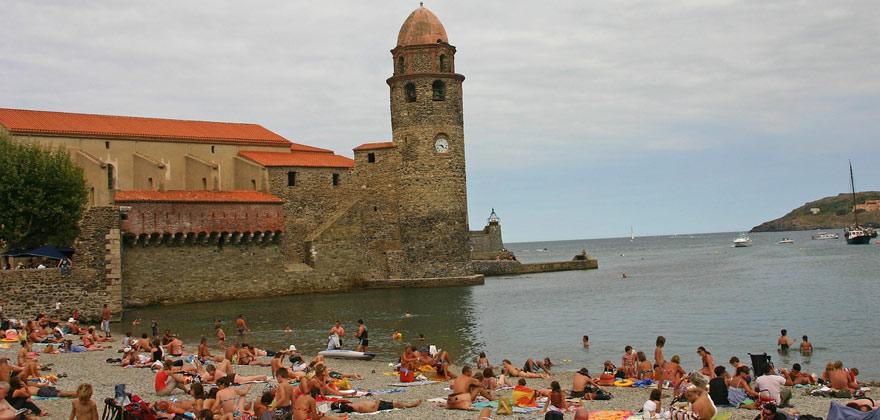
(483, 361)
(840, 379)
(489, 380)
(701, 407)
(174, 347)
(533, 366)
(465, 390)
(367, 407)
(323, 382)
(230, 401)
(583, 385)
(556, 403)
(214, 375)
(863, 404)
(511, 371)
(739, 393)
(305, 407)
(796, 377)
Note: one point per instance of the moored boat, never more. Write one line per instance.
(347, 354)
(856, 234)
(785, 241)
(825, 235)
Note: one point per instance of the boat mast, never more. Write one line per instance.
(852, 184)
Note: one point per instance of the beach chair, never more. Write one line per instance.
(112, 411)
(759, 363)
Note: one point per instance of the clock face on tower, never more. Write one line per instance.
(441, 145)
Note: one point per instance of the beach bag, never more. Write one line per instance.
(139, 410)
(407, 376)
(504, 407)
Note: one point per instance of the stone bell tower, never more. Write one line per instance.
(428, 131)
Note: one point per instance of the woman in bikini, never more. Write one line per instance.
(556, 403)
(628, 363)
(645, 370)
(739, 392)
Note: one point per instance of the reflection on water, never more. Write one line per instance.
(696, 290)
(444, 316)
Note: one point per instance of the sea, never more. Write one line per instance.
(695, 290)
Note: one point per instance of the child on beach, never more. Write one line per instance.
(83, 408)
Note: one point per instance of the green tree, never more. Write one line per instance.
(42, 196)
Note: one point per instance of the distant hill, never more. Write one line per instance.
(835, 212)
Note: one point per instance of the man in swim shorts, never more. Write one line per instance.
(242, 326)
(105, 321)
(362, 336)
(513, 371)
(371, 406)
(784, 342)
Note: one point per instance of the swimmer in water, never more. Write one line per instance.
(784, 342)
(396, 335)
(624, 276)
(586, 341)
(287, 329)
(407, 315)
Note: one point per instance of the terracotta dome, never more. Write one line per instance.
(421, 27)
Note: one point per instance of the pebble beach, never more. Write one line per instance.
(92, 367)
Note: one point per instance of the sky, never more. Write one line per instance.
(582, 118)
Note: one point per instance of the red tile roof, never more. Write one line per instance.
(26, 122)
(374, 146)
(178, 196)
(301, 159)
(296, 147)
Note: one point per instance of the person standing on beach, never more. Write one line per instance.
(83, 408)
(105, 321)
(362, 336)
(659, 358)
(221, 335)
(154, 328)
(242, 326)
(338, 331)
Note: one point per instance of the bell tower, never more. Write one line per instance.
(427, 126)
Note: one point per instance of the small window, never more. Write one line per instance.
(444, 66)
(410, 92)
(439, 89)
(401, 65)
(150, 182)
(291, 179)
(106, 144)
(212, 149)
(371, 157)
(335, 179)
(111, 180)
(204, 183)
(254, 184)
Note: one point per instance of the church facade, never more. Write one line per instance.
(210, 210)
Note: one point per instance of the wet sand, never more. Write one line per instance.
(91, 367)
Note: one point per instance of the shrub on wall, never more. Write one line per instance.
(42, 196)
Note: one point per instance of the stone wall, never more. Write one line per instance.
(168, 274)
(310, 202)
(505, 268)
(474, 280)
(88, 286)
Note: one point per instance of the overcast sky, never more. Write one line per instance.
(582, 118)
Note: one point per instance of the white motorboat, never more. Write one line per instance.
(785, 241)
(347, 354)
(742, 241)
(825, 235)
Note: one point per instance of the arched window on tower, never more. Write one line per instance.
(439, 89)
(444, 66)
(410, 92)
(401, 65)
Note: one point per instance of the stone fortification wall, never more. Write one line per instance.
(311, 199)
(167, 274)
(486, 244)
(92, 282)
(505, 268)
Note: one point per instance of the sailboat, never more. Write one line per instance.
(632, 235)
(855, 234)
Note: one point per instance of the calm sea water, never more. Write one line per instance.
(696, 290)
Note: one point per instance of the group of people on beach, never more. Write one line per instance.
(294, 386)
